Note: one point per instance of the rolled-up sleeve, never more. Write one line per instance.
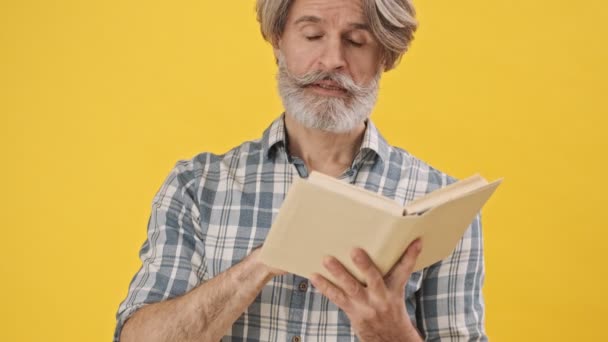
(450, 300)
(173, 255)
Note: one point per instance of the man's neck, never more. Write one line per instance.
(325, 152)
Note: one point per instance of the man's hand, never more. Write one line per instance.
(377, 310)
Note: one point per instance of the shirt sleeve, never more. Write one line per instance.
(173, 255)
(450, 302)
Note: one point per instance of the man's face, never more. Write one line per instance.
(329, 64)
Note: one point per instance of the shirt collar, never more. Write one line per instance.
(274, 136)
(373, 141)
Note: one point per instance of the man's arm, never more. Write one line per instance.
(173, 296)
(205, 313)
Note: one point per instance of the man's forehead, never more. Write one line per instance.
(344, 12)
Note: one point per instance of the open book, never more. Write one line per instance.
(324, 216)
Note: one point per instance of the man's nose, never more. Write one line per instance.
(332, 58)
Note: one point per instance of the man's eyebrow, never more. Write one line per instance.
(316, 20)
(360, 26)
(308, 18)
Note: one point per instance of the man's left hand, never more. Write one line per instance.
(377, 310)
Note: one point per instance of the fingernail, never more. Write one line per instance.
(418, 246)
(357, 255)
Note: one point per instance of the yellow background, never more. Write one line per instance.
(98, 100)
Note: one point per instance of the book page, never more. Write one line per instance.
(314, 223)
(443, 195)
(356, 193)
(441, 227)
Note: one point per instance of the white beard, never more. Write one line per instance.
(327, 113)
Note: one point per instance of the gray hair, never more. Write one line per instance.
(392, 22)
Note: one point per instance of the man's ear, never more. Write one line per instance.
(276, 50)
(384, 67)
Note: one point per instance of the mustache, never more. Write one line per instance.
(342, 80)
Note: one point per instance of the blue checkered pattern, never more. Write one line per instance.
(213, 210)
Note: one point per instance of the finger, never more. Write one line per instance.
(403, 269)
(371, 273)
(329, 290)
(343, 279)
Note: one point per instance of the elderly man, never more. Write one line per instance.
(201, 279)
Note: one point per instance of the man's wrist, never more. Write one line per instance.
(405, 332)
(412, 334)
(252, 269)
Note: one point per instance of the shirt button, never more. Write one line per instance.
(296, 339)
(303, 287)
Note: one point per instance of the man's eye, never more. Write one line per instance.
(354, 43)
(311, 38)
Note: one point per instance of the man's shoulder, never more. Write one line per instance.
(211, 165)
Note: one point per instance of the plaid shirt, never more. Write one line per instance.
(213, 210)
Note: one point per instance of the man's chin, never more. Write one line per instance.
(322, 121)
